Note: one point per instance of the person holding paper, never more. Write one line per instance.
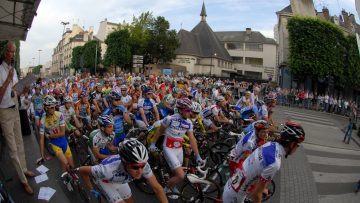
(9, 116)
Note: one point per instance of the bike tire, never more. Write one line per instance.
(219, 152)
(82, 152)
(200, 192)
(216, 176)
(83, 194)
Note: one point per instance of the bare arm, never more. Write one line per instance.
(85, 172)
(257, 194)
(193, 143)
(158, 133)
(158, 189)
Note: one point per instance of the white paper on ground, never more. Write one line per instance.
(42, 169)
(46, 193)
(41, 178)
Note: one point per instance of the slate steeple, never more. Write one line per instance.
(203, 13)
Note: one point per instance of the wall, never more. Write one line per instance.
(303, 7)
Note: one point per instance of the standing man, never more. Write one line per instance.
(9, 117)
(352, 121)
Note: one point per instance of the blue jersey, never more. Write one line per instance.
(148, 106)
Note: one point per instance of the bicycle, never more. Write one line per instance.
(72, 182)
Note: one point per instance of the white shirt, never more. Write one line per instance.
(7, 101)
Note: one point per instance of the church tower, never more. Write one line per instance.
(303, 8)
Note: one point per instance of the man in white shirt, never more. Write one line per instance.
(10, 119)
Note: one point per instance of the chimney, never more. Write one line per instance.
(345, 16)
(352, 19)
(248, 31)
(326, 13)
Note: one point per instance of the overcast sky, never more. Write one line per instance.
(223, 15)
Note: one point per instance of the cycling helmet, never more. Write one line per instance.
(219, 99)
(97, 85)
(68, 99)
(196, 107)
(49, 100)
(123, 87)
(176, 90)
(262, 124)
(83, 94)
(183, 104)
(292, 132)
(133, 152)
(269, 98)
(105, 120)
(147, 89)
(115, 94)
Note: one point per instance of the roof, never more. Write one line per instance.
(16, 18)
(287, 9)
(201, 41)
(203, 10)
(242, 36)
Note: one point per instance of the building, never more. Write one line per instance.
(71, 38)
(346, 22)
(227, 54)
(357, 5)
(105, 29)
(253, 55)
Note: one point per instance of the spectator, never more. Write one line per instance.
(358, 187)
(352, 121)
(326, 102)
(311, 100)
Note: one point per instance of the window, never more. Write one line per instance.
(258, 62)
(253, 75)
(238, 60)
(253, 47)
(234, 45)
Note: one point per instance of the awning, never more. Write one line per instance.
(16, 17)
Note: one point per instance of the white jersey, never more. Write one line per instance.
(176, 126)
(111, 170)
(247, 144)
(263, 163)
(126, 99)
(68, 113)
(210, 112)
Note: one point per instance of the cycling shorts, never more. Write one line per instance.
(174, 157)
(115, 192)
(64, 149)
(231, 196)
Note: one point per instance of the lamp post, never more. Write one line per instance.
(33, 63)
(39, 55)
(213, 55)
(62, 45)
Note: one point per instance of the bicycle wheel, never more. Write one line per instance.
(201, 192)
(143, 186)
(83, 194)
(219, 152)
(215, 176)
(82, 152)
(271, 191)
(174, 197)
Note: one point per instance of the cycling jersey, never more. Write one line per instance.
(111, 170)
(83, 109)
(147, 105)
(98, 139)
(126, 99)
(251, 127)
(38, 102)
(52, 124)
(263, 112)
(118, 124)
(246, 145)
(67, 113)
(262, 164)
(176, 126)
(106, 91)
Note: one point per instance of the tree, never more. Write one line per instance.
(36, 69)
(77, 55)
(89, 50)
(139, 33)
(163, 42)
(118, 52)
(352, 64)
(317, 48)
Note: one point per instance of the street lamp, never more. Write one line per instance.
(33, 64)
(213, 55)
(62, 44)
(39, 55)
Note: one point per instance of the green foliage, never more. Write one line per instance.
(118, 52)
(139, 33)
(89, 50)
(163, 42)
(317, 48)
(36, 69)
(76, 59)
(352, 65)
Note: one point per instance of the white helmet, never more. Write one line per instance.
(196, 107)
(50, 100)
(68, 99)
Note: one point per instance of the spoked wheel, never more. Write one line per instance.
(201, 192)
(219, 152)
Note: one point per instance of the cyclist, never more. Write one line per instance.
(213, 114)
(82, 109)
(115, 172)
(120, 114)
(100, 140)
(166, 106)
(174, 128)
(69, 114)
(261, 166)
(38, 100)
(195, 114)
(146, 107)
(251, 141)
(52, 126)
(125, 98)
(204, 98)
(74, 92)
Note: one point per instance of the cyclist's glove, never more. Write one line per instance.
(199, 160)
(153, 148)
(95, 193)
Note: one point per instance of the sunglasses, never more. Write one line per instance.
(186, 110)
(117, 99)
(136, 166)
(109, 126)
(50, 107)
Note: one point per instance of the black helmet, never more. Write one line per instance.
(292, 132)
(132, 151)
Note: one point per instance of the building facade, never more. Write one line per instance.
(104, 30)
(74, 37)
(227, 54)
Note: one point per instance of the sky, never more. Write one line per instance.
(222, 15)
